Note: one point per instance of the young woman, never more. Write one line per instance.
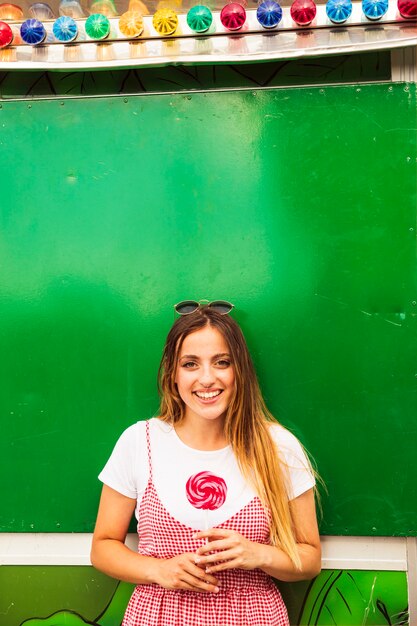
(222, 493)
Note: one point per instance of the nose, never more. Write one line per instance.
(206, 378)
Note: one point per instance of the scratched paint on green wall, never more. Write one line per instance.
(298, 205)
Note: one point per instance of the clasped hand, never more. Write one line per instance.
(182, 573)
(226, 549)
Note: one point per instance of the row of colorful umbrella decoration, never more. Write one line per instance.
(97, 26)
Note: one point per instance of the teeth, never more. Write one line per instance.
(207, 395)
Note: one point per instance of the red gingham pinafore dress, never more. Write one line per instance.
(246, 598)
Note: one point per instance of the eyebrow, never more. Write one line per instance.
(194, 356)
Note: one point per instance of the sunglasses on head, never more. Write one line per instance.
(189, 306)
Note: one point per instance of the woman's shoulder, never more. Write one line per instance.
(130, 433)
(290, 448)
(139, 427)
(283, 437)
(132, 436)
(156, 427)
(294, 458)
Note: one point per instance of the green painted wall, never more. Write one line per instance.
(75, 596)
(298, 205)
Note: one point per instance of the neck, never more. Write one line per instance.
(204, 435)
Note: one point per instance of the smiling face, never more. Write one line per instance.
(205, 375)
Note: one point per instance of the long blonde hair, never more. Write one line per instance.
(246, 424)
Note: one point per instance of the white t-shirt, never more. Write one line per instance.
(173, 463)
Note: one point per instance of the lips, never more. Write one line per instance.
(208, 395)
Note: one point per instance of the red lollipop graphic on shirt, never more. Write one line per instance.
(206, 491)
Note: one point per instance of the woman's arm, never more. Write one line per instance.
(110, 555)
(278, 565)
(235, 551)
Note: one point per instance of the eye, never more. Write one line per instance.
(223, 363)
(189, 365)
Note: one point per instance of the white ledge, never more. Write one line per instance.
(365, 553)
(360, 553)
